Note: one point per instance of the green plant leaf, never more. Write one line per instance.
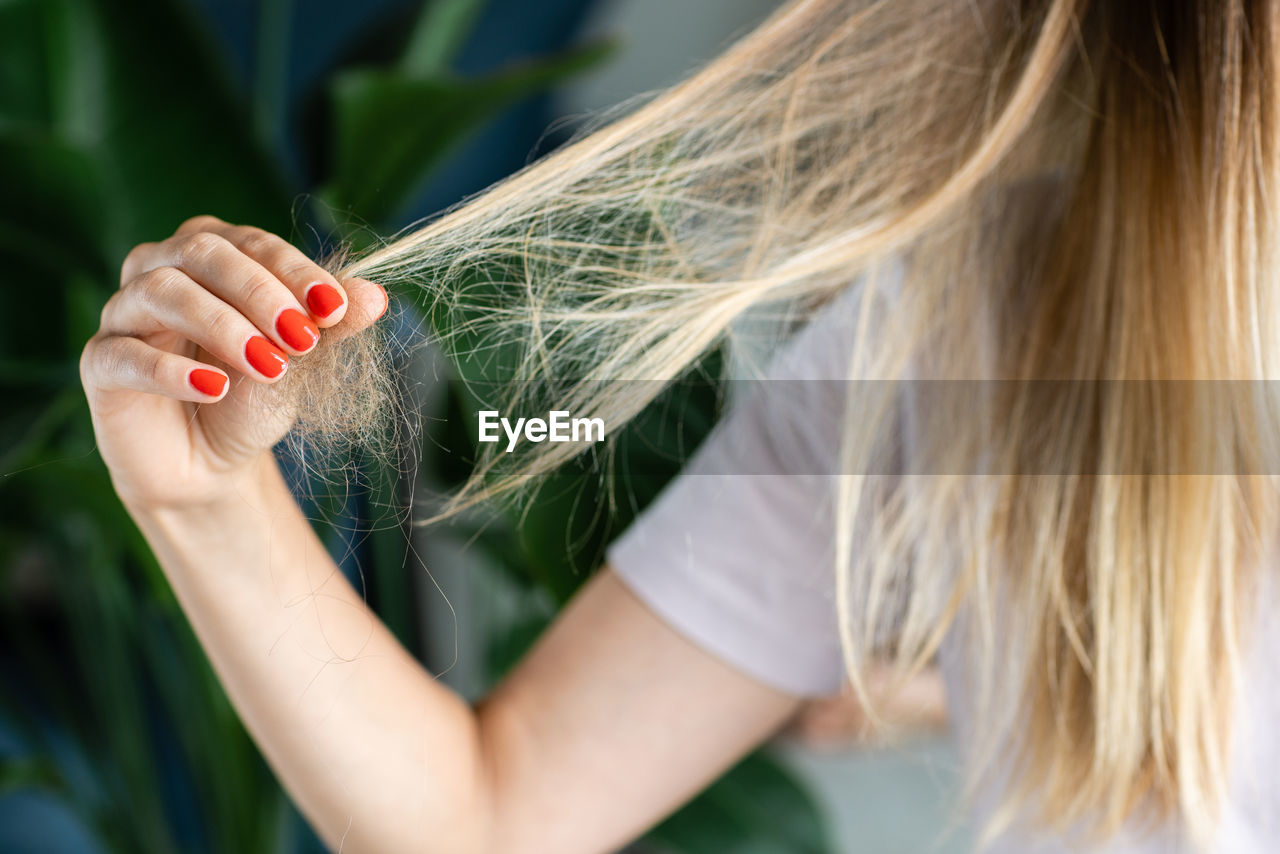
(52, 205)
(756, 808)
(272, 55)
(577, 511)
(439, 34)
(564, 526)
(138, 87)
(24, 80)
(29, 773)
(393, 129)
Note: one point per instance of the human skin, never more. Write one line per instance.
(611, 721)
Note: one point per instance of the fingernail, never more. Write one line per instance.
(323, 300)
(207, 382)
(266, 358)
(386, 301)
(297, 330)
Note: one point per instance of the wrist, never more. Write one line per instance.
(238, 539)
(257, 487)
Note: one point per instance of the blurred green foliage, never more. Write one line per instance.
(118, 121)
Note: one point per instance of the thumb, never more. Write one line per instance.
(367, 302)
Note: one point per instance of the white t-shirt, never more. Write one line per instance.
(737, 554)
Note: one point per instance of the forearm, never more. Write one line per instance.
(376, 753)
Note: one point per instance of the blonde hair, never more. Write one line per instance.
(1117, 536)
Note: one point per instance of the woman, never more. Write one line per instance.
(1063, 210)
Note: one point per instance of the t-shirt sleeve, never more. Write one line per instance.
(737, 553)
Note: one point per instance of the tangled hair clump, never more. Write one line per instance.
(345, 396)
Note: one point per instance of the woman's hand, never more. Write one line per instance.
(198, 320)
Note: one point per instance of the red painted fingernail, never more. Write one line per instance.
(207, 382)
(323, 300)
(268, 359)
(297, 330)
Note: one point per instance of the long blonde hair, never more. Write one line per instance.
(1118, 532)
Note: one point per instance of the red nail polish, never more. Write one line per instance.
(297, 330)
(207, 382)
(266, 358)
(323, 300)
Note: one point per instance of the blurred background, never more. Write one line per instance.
(328, 122)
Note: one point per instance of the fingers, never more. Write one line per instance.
(120, 362)
(221, 268)
(246, 296)
(310, 283)
(167, 299)
(313, 285)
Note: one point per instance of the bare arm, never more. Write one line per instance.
(610, 722)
